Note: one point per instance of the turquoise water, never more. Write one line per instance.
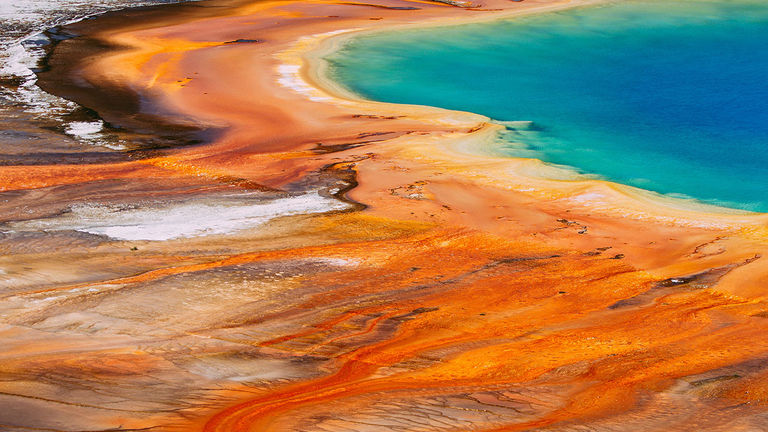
(667, 96)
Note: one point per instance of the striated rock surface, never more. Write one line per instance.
(318, 263)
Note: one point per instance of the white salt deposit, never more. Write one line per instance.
(290, 73)
(168, 221)
(290, 77)
(87, 130)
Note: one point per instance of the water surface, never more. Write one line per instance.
(668, 96)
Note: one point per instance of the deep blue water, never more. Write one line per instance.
(669, 96)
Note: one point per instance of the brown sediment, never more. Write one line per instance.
(124, 110)
(456, 291)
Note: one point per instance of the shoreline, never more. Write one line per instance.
(313, 74)
(462, 292)
(72, 129)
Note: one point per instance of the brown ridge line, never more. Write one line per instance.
(231, 260)
(245, 415)
(371, 326)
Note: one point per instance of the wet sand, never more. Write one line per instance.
(413, 283)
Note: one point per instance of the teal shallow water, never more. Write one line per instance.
(667, 96)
